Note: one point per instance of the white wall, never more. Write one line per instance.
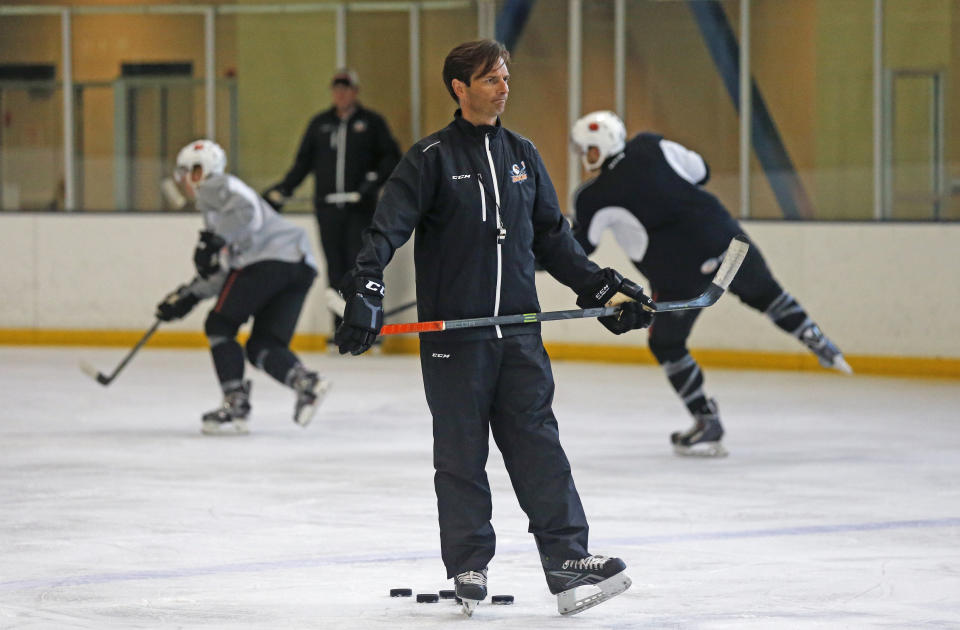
(877, 289)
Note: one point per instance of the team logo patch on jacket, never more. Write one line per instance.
(360, 126)
(518, 173)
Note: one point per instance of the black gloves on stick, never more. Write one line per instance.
(363, 315)
(632, 313)
(206, 256)
(176, 304)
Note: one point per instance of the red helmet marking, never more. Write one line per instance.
(594, 127)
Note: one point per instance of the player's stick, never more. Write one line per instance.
(104, 380)
(721, 280)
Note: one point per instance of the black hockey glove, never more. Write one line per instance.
(363, 315)
(276, 196)
(637, 312)
(177, 304)
(206, 256)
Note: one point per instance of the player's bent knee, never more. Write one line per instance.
(666, 351)
(218, 325)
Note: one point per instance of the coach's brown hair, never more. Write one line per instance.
(472, 58)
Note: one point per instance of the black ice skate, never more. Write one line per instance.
(310, 388)
(703, 438)
(471, 588)
(230, 418)
(827, 352)
(600, 578)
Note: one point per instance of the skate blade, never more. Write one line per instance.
(235, 427)
(568, 604)
(467, 606)
(702, 449)
(306, 413)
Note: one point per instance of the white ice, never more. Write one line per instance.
(839, 506)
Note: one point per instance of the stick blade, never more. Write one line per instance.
(736, 252)
(93, 373)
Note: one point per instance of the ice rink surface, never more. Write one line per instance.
(839, 506)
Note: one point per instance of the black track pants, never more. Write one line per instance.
(341, 232)
(504, 386)
(754, 284)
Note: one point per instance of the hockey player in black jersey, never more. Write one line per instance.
(485, 212)
(648, 192)
(258, 265)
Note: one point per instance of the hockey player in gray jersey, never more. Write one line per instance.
(649, 193)
(258, 265)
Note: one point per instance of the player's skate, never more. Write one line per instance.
(310, 388)
(597, 578)
(827, 352)
(703, 438)
(230, 418)
(471, 588)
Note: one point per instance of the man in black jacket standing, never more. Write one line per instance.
(485, 212)
(351, 153)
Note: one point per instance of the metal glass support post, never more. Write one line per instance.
(69, 156)
(746, 113)
(574, 86)
(121, 131)
(878, 112)
(341, 36)
(415, 71)
(486, 18)
(620, 57)
(210, 85)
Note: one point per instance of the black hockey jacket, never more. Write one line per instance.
(485, 212)
(672, 229)
(353, 155)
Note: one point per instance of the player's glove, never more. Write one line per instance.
(206, 256)
(636, 312)
(363, 315)
(276, 196)
(176, 304)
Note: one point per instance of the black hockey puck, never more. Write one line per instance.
(502, 599)
(401, 592)
(448, 594)
(427, 598)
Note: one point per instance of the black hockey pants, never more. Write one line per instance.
(754, 284)
(504, 386)
(273, 293)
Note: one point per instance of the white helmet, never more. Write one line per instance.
(603, 130)
(206, 153)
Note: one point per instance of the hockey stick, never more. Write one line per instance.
(732, 260)
(106, 380)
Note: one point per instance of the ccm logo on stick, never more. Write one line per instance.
(437, 355)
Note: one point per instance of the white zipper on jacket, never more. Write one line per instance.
(496, 196)
(483, 201)
(341, 157)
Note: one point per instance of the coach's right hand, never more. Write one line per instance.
(362, 316)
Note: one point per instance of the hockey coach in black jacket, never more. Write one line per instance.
(485, 213)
